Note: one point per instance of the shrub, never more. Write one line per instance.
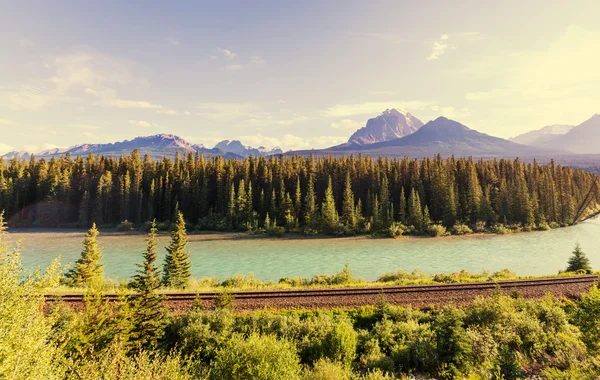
(396, 230)
(499, 229)
(163, 226)
(436, 230)
(403, 277)
(242, 281)
(325, 369)
(256, 357)
(295, 281)
(125, 225)
(461, 229)
(115, 363)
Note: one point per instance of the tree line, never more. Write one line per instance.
(346, 195)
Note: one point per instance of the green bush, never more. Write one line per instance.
(461, 229)
(395, 230)
(325, 369)
(256, 357)
(436, 230)
(125, 225)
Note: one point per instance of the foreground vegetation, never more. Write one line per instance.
(495, 338)
(135, 338)
(333, 196)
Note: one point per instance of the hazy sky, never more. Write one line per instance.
(297, 74)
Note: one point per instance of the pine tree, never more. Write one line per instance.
(149, 312)
(348, 213)
(415, 212)
(176, 271)
(310, 208)
(402, 207)
(579, 261)
(329, 215)
(88, 270)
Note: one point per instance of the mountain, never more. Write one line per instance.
(391, 124)
(156, 146)
(441, 136)
(541, 137)
(582, 139)
(238, 148)
(16, 154)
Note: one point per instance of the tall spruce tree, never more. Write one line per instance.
(329, 214)
(88, 269)
(348, 213)
(149, 312)
(578, 261)
(177, 268)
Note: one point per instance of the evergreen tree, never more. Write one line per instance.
(149, 313)
(579, 261)
(402, 207)
(415, 212)
(177, 268)
(310, 208)
(329, 215)
(88, 269)
(348, 213)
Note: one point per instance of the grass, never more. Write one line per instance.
(342, 279)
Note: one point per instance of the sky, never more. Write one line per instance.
(294, 74)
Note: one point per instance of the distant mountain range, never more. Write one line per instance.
(441, 136)
(156, 146)
(540, 137)
(393, 133)
(581, 139)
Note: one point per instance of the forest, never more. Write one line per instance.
(312, 195)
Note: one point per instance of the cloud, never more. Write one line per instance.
(534, 87)
(371, 108)
(377, 93)
(387, 37)
(256, 60)
(347, 124)
(173, 41)
(5, 148)
(25, 43)
(78, 75)
(293, 142)
(234, 67)
(143, 124)
(7, 122)
(227, 54)
(295, 119)
(230, 111)
(439, 48)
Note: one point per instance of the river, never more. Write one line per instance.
(218, 255)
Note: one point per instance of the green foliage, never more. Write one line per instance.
(579, 261)
(88, 270)
(315, 195)
(149, 313)
(224, 300)
(256, 357)
(25, 350)
(461, 229)
(125, 226)
(325, 369)
(437, 230)
(177, 268)
(115, 364)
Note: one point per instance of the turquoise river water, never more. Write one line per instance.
(218, 255)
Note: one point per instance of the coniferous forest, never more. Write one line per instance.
(337, 196)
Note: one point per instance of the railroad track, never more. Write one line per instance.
(414, 295)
